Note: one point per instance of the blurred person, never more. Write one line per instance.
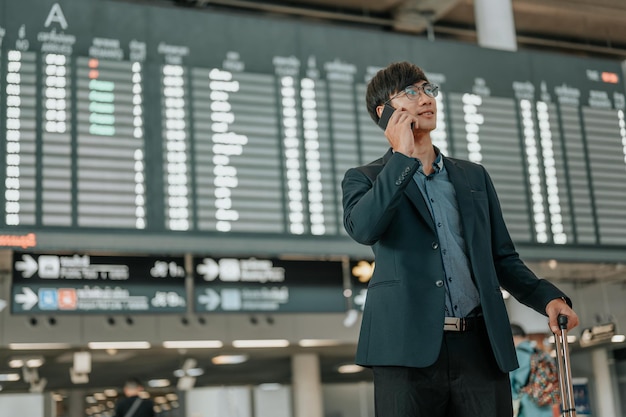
(524, 405)
(132, 405)
(435, 329)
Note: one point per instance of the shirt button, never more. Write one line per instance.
(435, 245)
(438, 224)
(439, 283)
(449, 279)
(432, 200)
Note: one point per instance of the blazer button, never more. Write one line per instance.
(435, 245)
(398, 182)
(439, 283)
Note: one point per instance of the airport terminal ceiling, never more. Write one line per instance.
(576, 26)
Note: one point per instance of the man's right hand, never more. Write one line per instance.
(399, 131)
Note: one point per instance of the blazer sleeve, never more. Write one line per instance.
(371, 196)
(513, 274)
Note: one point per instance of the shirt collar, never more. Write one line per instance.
(438, 164)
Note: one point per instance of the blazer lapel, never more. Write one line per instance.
(415, 196)
(463, 196)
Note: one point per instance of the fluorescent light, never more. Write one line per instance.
(570, 339)
(192, 344)
(160, 399)
(618, 338)
(349, 369)
(38, 346)
(110, 392)
(159, 383)
(118, 345)
(35, 362)
(269, 343)
(16, 363)
(318, 342)
(229, 359)
(9, 377)
(270, 386)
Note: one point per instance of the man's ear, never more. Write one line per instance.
(379, 110)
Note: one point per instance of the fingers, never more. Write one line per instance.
(399, 131)
(404, 118)
(556, 308)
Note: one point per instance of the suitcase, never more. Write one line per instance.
(568, 407)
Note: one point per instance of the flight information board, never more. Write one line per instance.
(135, 127)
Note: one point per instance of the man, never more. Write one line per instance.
(524, 348)
(435, 329)
(133, 405)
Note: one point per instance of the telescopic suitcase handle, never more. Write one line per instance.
(568, 407)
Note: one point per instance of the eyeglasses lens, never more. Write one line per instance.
(431, 90)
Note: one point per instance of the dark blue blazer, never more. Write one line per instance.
(403, 316)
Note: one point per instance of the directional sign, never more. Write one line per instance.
(81, 283)
(210, 299)
(27, 266)
(267, 285)
(27, 298)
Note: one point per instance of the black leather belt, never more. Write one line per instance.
(461, 324)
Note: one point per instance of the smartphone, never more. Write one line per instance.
(386, 114)
(384, 117)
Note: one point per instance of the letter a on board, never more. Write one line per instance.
(56, 15)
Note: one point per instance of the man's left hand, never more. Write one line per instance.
(558, 307)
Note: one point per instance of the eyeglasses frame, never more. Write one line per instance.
(420, 90)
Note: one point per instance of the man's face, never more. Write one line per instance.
(419, 100)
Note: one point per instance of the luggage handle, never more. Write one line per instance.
(568, 407)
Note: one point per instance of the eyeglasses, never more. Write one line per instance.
(413, 91)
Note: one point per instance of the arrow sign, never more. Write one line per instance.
(28, 266)
(210, 298)
(209, 269)
(27, 299)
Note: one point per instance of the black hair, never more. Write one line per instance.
(389, 81)
(133, 383)
(518, 330)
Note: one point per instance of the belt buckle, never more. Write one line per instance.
(454, 324)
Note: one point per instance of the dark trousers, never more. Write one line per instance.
(465, 381)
